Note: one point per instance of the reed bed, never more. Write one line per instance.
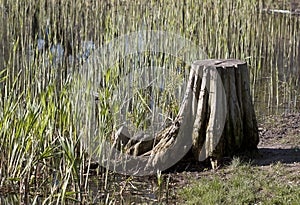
(42, 158)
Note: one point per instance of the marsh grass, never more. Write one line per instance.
(42, 159)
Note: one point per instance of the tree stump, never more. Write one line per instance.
(217, 113)
(225, 122)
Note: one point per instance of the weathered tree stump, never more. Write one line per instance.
(217, 114)
(225, 122)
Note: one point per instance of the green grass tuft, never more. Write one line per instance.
(244, 184)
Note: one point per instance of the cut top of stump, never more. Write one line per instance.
(224, 63)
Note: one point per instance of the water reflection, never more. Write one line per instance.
(57, 52)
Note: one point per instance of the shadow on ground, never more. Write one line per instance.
(268, 156)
